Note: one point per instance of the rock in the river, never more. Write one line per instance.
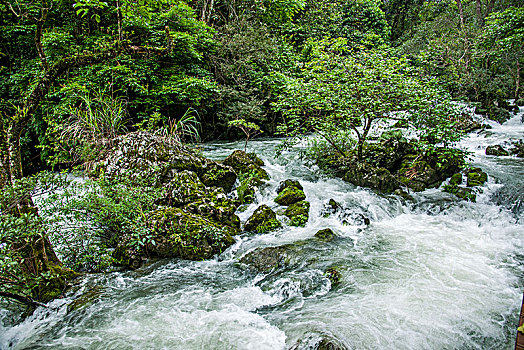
(263, 220)
(326, 234)
(154, 159)
(518, 149)
(246, 163)
(476, 177)
(298, 213)
(175, 233)
(267, 259)
(289, 192)
(496, 150)
(364, 175)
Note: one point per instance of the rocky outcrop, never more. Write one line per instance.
(155, 160)
(246, 163)
(195, 217)
(496, 150)
(298, 213)
(475, 177)
(394, 163)
(290, 192)
(263, 220)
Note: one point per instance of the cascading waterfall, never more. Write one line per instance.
(433, 273)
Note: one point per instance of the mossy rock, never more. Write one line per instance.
(461, 192)
(333, 275)
(518, 149)
(185, 187)
(290, 195)
(500, 115)
(298, 213)
(289, 183)
(476, 177)
(456, 179)
(326, 235)
(216, 206)
(520, 102)
(376, 178)
(175, 233)
(263, 220)
(55, 282)
(496, 150)
(245, 163)
(154, 160)
(248, 187)
(267, 259)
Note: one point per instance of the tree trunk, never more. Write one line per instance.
(461, 13)
(480, 16)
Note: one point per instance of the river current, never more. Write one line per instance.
(432, 273)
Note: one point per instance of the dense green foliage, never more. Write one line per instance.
(76, 74)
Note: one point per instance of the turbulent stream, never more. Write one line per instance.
(433, 273)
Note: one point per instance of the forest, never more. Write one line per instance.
(126, 92)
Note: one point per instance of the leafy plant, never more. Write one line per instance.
(249, 129)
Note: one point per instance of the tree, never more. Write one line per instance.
(504, 42)
(341, 91)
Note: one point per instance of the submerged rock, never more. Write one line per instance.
(267, 259)
(518, 149)
(496, 150)
(263, 220)
(364, 175)
(298, 213)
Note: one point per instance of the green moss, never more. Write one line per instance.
(263, 220)
(290, 195)
(298, 213)
(333, 275)
(325, 235)
(456, 179)
(476, 177)
(246, 163)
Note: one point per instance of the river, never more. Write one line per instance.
(432, 273)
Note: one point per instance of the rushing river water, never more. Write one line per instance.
(434, 273)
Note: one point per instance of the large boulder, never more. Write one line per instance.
(174, 233)
(246, 163)
(364, 175)
(151, 158)
(267, 259)
(298, 213)
(496, 150)
(290, 192)
(263, 220)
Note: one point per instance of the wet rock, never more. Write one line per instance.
(326, 234)
(298, 213)
(174, 233)
(216, 206)
(456, 179)
(247, 188)
(476, 177)
(289, 183)
(290, 195)
(461, 192)
(245, 163)
(263, 220)
(87, 298)
(333, 275)
(520, 102)
(267, 259)
(402, 194)
(496, 150)
(364, 175)
(154, 160)
(499, 114)
(518, 149)
(184, 187)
